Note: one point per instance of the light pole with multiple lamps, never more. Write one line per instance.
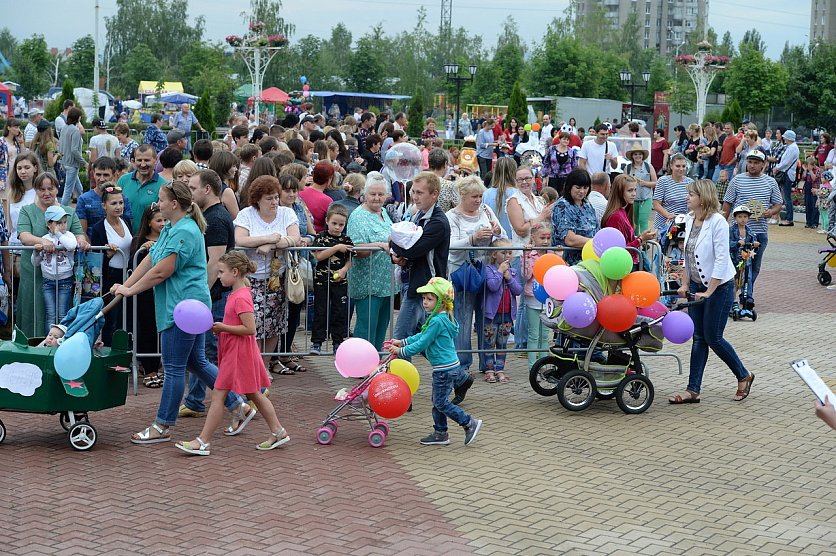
(452, 71)
(627, 81)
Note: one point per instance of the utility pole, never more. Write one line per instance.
(96, 62)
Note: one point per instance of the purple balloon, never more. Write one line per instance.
(579, 310)
(193, 317)
(677, 327)
(606, 238)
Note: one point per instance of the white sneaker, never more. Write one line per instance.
(832, 287)
(821, 231)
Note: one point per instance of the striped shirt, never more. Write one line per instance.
(762, 189)
(673, 196)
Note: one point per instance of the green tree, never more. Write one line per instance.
(80, 64)
(204, 111)
(415, 115)
(752, 39)
(735, 115)
(755, 81)
(141, 64)
(508, 59)
(30, 66)
(812, 105)
(8, 48)
(56, 106)
(518, 104)
(366, 68)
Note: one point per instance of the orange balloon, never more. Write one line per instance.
(544, 263)
(616, 313)
(642, 288)
(535, 126)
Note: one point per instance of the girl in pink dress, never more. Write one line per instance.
(240, 366)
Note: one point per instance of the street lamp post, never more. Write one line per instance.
(627, 81)
(452, 71)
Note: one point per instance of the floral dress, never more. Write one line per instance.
(568, 216)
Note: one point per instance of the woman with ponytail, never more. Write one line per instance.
(176, 269)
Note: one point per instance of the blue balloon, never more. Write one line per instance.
(540, 293)
(303, 79)
(73, 357)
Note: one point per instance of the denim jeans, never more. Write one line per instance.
(197, 390)
(811, 211)
(179, 350)
(520, 322)
(57, 297)
(763, 238)
(786, 192)
(409, 315)
(710, 319)
(464, 308)
(496, 332)
(71, 184)
(443, 382)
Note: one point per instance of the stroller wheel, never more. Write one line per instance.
(576, 390)
(2, 432)
(545, 374)
(82, 436)
(331, 425)
(383, 427)
(324, 435)
(634, 394)
(824, 278)
(605, 394)
(376, 438)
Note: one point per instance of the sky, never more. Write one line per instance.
(777, 20)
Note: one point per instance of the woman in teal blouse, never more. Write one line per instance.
(370, 277)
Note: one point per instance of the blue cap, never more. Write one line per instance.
(789, 135)
(54, 213)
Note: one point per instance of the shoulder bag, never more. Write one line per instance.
(469, 277)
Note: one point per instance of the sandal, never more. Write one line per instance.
(154, 381)
(293, 365)
(741, 395)
(685, 397)
(201, 450)
(279, 438)
(490, 376)
(147, 437)
(502, 377)
(240, 420)
(283, 369)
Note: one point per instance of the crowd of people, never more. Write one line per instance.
(210, 219)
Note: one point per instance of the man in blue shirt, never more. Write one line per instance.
(154, 136)
(141, 187)
(784, 173)
(89, 207)
(184, 120)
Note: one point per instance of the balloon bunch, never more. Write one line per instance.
(389, 394)
(639, 290)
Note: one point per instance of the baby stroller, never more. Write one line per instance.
(829, 259)
(673, 257)
(745, 307)
(570, 373)
(354, 407)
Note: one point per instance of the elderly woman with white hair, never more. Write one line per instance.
(472, 224)
(370, 278)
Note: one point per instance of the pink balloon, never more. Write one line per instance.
(606, 238)
(654, 311)
(356, 358)
(193, 317)
(560, 282)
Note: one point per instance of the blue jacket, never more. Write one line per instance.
(734, 237)
(436, 342)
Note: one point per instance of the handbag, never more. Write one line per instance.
(469, 277)
(295, 283)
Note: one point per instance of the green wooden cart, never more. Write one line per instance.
(104, 385)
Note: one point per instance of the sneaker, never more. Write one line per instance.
(188, 412)
(461, 390)
(821, 231)
(471, 431)
(316, 349)
(833, 287)
(436, 439)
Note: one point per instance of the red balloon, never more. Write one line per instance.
(616, 313)
(389, 395)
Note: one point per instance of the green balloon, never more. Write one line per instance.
(616, 263)
(527, 127)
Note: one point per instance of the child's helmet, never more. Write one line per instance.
(741, 208)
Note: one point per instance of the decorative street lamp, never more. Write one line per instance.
(702, 68)
(452, 71)
(627, 81)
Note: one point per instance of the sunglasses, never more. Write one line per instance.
(113, 189)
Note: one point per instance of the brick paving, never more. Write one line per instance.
(716, 478)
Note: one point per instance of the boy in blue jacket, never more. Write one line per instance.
(436, 341)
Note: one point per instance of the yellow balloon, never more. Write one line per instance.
(588, 252)
(407, 371)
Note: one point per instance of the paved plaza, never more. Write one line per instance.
(721, 477)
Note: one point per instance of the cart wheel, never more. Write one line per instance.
(324, 435)
(376, 438)
(331, 425)
(754, 315)
(544, 375)
(605, 394)
(64, 419)
(2, 432)
(382, 426)
(824, 278)
(82, 436)
(634, 394)
(576, 390)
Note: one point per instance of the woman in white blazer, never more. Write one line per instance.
(709, 275)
